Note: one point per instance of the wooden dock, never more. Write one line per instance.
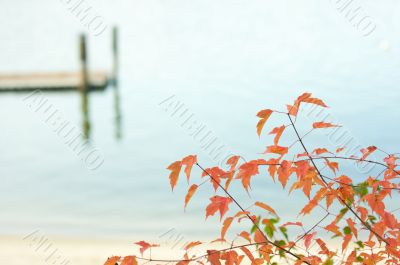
(84, 80)
(63, 81)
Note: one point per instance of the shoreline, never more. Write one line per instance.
(39, 249)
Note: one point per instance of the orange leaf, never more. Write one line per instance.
(229, 179)
(309, 206)
(259, 237)
(129, 260)
(273, 166)
(293, 223)
(306, 98)
(265, 207)
(248, 170)
(284, 172)
(322, 124)
(241, 213)
(190, 193)
(183, 262)
(112, 260)
(254, 261)
(375, 203)
(266, 251)
(175, 170)
(346, 241)
(189, 161)
(275, 149)
(390, 220)
(319, 151)
(248, 254)
(315, 101)
(352, 226)
(144, 246)
(231, 258)
(225, 226)
(218, 203)
(308, 238)
(232, 161)
(332, 227)
(192, 245)
(363, 212)
(307, 184)
(334, 166)
(322, 245)
(293, 110)
(303, 155)
(264, 116)
(214, 257)
(367, 151)
(390, 160)
(302, 169)
(216, 174)
(278, 133)
(245, 235)
(340, 149)
(218, 240)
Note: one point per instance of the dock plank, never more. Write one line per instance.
(98, 80)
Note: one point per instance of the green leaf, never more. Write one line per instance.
(361, 189)
(280, 242)
(269, 230)
(254, 227)
(284, 232)
(273, 220)
(328, 262)
(342, 212)
(360, 244)
(372, 219)
(347, 230)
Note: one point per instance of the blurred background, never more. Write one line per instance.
(223, 60)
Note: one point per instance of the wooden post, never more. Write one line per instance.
(115, 54)
(84, 86)
(83, 59)
(114, 79)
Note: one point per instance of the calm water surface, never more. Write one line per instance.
(224, 61)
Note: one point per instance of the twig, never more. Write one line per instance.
(327, 185)
(251, 219)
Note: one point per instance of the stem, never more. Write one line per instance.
(366, 225)
(350, 158)
(251, 219)
(312, 228)
(334, 180)
(205, 255)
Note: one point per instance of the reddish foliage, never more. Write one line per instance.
(355, 209)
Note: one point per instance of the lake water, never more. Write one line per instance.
(224, 60)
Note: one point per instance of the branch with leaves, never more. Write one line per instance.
(357, 227)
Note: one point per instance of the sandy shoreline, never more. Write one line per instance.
(61, 251)
(36, 249)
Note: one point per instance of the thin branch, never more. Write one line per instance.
(334, 180)
(327, 185)
(311, 229)
(204, 255)
(350, 158)
(251, 219)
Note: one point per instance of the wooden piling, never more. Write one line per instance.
(84, 86)
(114, 80)
(83, 61)
(115, 54)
